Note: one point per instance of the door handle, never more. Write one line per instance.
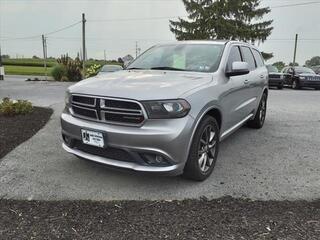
(246, 81)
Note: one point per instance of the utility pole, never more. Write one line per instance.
(137, 49)
(44, 46)
(295, 50)
(83, 44)
(1, 67)
(105, 57)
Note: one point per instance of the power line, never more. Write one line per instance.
(134, 19)
(295, 4)
(40, 35)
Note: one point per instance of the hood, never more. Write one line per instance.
(142, 85)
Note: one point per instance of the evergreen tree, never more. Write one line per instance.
(223, 19)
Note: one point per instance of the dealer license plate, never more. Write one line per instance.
(92, 138)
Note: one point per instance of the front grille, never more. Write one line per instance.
(313, 78)
(111, 153)
(274, 76)
(107, 110)
(83, 100)
(86, 112)
(123, 118)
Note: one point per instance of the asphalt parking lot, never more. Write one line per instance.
(280, 161)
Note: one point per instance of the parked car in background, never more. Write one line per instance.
(316, 69)
(109, 69)
(299, 77)
(169, 109)
(275, 77)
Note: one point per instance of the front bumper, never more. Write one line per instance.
(311, 84)
(275, 82)
(167, 138)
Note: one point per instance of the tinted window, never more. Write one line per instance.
(234, 56)
(258, 58)
(248, 57)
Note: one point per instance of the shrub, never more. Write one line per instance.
(58, 72)
(93, 70)
(64, 79)
(73, 67)
(9, 107)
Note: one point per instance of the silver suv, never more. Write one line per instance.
(168, 111)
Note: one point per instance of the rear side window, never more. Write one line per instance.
(248, 57)
(258, 58)
(234, 56)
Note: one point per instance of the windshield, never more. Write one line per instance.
(300, 70)
(181, 57)
(110, 68)
(272, 69)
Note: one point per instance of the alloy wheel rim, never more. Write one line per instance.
(294, 84)
(207, 148)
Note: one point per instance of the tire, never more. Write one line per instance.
(280, 87)
(261, 113)
(295, 84)
(204, 146)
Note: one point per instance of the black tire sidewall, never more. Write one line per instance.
(192, 169)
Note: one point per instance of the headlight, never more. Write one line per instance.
(165, 109)
(302, 78)
(67, 98)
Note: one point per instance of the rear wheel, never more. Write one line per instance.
(204, 150)
(261, 113)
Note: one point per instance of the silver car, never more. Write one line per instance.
(106, 69)
(168, 111)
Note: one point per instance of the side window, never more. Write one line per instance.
(248, 57)
(258, 57)
(234, 56)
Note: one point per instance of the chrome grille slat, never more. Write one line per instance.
(122, 114)
(121, 109)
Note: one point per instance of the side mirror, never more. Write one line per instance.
(238, 68)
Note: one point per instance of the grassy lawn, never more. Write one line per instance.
(26, 70)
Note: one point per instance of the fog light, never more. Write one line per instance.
(153, 159)
(68, 140)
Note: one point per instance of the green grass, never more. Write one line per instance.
(26, 70)
(28, 62)
(29, 66)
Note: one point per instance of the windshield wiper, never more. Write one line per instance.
(168, 68)
(134, 68)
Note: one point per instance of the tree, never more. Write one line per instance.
(280, 65)
(5, 56)
(295, 64)
(35, 57)
(267, 56)
(223, 19)
(315, 61)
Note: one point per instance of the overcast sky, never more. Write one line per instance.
(28, 18)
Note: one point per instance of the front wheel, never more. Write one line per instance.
(204, 150)
(261, 113)
(295, 84)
